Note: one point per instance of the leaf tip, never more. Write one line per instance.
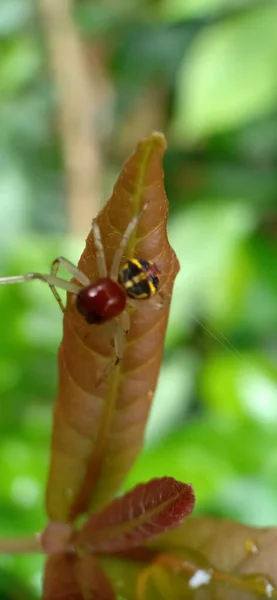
(155, 141)
(159, 139)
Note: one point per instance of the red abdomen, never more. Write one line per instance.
(101, 301)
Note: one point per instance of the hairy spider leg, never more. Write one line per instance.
(124, 240)
(73, 270)
(100, 254)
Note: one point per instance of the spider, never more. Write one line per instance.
(106, 298)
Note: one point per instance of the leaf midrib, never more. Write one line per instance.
(94, 468)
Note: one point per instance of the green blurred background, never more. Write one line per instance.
(205, 73)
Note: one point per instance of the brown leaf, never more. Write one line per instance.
(60, 580)
(93, 582)
(98, 431)
(72, 578)
(231, 561)
(178, 577)
(241, 560)
(141, 514)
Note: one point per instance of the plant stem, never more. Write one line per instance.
(81, 91)
(21, 546)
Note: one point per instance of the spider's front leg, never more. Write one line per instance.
(51, 280)
(72, 269)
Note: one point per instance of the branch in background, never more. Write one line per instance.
(80, 94)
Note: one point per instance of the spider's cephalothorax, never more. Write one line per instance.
(140, 278)
(101, 301)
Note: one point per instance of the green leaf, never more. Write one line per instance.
(245, 465)
(19, 66)
(123, 574)
(229, 75)
(173, 396)
(206, 238)
(186, 457)
(13, 16)
(241, 386)
(178, 9)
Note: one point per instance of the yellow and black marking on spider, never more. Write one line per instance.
(140, 278)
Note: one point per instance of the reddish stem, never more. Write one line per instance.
(21, 546)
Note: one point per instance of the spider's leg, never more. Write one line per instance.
(51, 280)
(158, 301)
(119, 337)
(125, 321)
(124, 240)
(100, 254)
(72, 269)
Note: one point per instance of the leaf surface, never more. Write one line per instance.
(60, 579)
(240, 559)
(217, 87)
(176, 577)
(98, 431)
(141, 514)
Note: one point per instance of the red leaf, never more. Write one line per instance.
(147, 510)
(98, 430)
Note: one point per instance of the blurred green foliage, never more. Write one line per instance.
(214, 419)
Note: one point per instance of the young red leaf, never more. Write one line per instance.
(144, 512)
(98, 431)
(71, 578)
